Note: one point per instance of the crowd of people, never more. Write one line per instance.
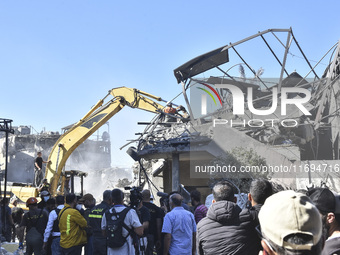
(285, 222)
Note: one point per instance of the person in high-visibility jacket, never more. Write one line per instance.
(95, 221)
(72, 227)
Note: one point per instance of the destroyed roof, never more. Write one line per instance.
(261, 87)
(201, 64)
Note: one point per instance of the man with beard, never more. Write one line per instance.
(200, 210)
(325, 201)
(260, 190)
(332, 244)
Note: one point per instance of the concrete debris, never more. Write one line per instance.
(285, 135)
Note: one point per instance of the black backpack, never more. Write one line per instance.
(55, 227)
(115, 224)
(33, 234)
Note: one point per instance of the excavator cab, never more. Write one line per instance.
(68, 182)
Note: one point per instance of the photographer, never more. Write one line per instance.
(144, 218)
(120, 221)
(164, 202)
(155, 228)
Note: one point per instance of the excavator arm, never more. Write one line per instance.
(91, 122)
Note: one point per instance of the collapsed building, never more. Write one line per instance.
(298, 142)
(92, 157)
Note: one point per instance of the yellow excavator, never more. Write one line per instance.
(79, 132)
(91, 122)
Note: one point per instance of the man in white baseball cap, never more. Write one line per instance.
(290, 224)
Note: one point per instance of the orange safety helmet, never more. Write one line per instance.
(31, 201)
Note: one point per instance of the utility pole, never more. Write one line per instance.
(5, 126)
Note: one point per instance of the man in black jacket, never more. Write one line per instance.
(222, 231)
(260, 190)
(155, 226)
(35, 221)
(326, 202)
(95, 221)
(332, 244)
(89, 202)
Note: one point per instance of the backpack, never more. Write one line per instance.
(115, 224)
(55, 227)
(33, 235)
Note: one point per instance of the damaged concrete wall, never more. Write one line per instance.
(22, 151)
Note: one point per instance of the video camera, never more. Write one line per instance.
(164, 201)
(135, 196)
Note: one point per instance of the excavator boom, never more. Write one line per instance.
(91, 122)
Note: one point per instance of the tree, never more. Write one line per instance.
(237, 158)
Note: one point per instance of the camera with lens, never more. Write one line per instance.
(164, 201)
(135, 196)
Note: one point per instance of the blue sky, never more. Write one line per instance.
(58, 58)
